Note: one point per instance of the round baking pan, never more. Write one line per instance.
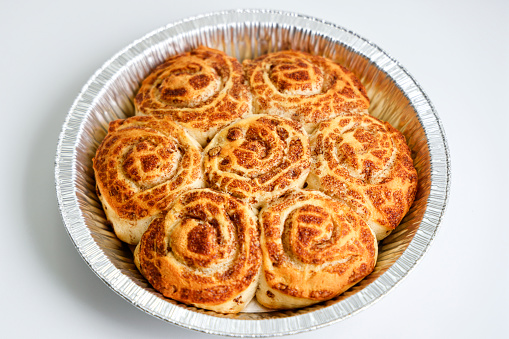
(395, 97)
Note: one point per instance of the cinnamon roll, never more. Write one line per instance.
(142, 164)
(257, 158)
(205, 252)
(203, 90)
(304, 87)
(366, 163)
(313, 248)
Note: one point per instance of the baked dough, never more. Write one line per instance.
(203, 90)
(201, 246)
(304, 87)
(366, 163)
(313, 247)
(204, 252)
(258, 158)
(141, 166)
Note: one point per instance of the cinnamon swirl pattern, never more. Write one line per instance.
(205, 252)
(257, 158)
(313, 247)
(201, 246)
(203, 90)
(304, 87)
(366, 163)
(140, 167)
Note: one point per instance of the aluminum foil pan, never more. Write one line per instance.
(395, 95)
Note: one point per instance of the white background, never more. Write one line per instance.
(458, 52)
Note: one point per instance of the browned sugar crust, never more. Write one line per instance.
(204, 252)
(140, 167)
(203, 90)
(314, 248)
(366, 163)
(202, 246)
(258, 158)
(304, 87)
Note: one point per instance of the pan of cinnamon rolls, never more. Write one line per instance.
(250, 173)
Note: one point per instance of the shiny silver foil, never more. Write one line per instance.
(395, 97)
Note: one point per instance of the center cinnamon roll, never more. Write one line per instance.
(314, 248)
(258, 158)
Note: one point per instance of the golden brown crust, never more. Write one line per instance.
(366, 163)
(304, 87)
(202, 246)
(204, 252)
(203, 90)
(313, 247)
(257, 158)
(140, 167)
